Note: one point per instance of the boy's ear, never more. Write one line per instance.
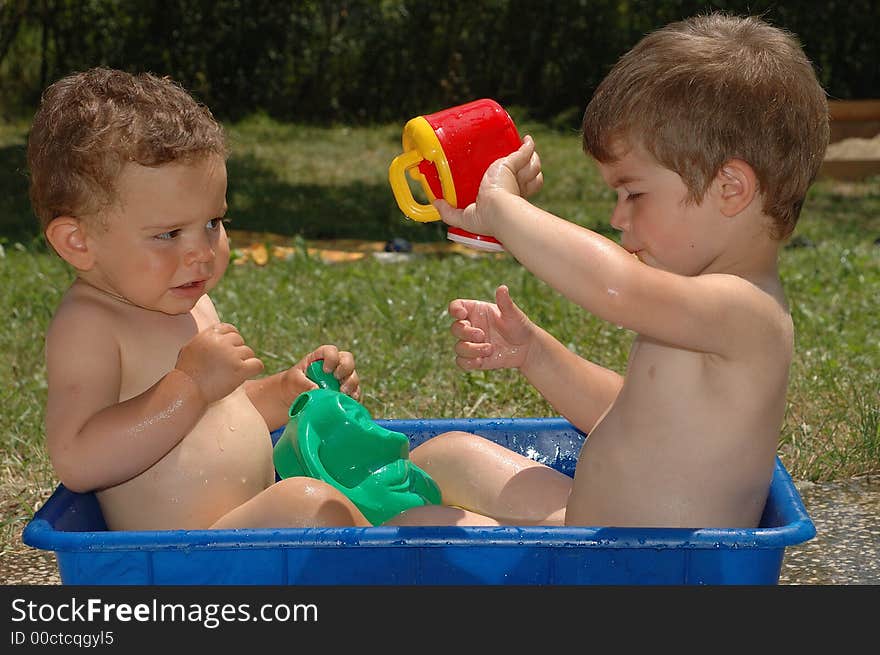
(68, 237)
(738, 186)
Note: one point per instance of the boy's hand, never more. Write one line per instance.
(490, 335)
(519, 173)
(338, 362)
(218, 361)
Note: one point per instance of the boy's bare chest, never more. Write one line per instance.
(149, 350)
(668, 388)
(658, 368)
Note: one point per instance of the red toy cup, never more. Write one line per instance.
(447, 153)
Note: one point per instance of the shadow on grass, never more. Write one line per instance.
(261, 201)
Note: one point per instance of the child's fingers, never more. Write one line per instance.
(460, 308)
(464, 331)
(351, 385)
(533, 186)
(224, 328)
(345, 367)
(328, 353)
(530, 178)
(233, 339)
(244, 352)
(530, 169)
(252, 366)
(456, 309)
(469, 350)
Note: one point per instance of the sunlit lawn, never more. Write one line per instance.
(320, 183)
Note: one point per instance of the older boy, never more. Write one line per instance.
(150, 397)
(710, 130)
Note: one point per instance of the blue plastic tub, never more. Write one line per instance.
(72, 525)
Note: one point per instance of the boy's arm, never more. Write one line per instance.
(273, 394)
(95, 441)
(580, 390)
(706, 313)
(500, 335)
(724, 314)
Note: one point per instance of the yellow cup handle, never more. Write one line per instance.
(402, 192)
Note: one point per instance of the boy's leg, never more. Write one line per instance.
(299, 502)
(488, 479)
(440, 515)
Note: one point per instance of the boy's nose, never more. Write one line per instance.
(620, 219)
(200, 252)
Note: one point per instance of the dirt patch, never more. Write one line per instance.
(22, 565)
(854, 159)
(854, 148)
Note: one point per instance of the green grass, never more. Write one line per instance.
(315, 183)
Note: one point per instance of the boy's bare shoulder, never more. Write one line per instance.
(756, 309)
(83, 315)
(763, 298)
(723, 314)
(81, 303)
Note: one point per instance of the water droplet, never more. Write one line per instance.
(232, 428)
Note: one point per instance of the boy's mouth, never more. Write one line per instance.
(194, 287)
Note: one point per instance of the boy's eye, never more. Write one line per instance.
(215, 223)
(171, 234)
(632, 196)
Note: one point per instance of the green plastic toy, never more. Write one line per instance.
(332, 437)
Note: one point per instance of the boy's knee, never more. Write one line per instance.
(448, 449)
(324, 503)
(453, 441)
(312, 490)
(297, 487)
(427, 515)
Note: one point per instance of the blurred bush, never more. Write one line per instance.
(364, 61)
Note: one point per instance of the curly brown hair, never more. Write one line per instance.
(702, 91)
(90, 124)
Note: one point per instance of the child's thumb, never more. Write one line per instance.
(505, 303)
(448, 214)
(521, 156)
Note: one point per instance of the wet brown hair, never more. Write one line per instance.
(711, 88)
(90, 124)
